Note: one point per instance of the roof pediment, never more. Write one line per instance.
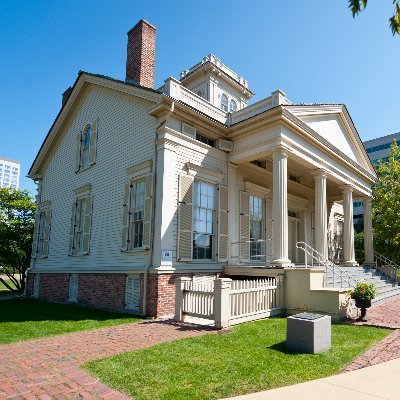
(333, 123)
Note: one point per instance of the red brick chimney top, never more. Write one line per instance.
(141, 54)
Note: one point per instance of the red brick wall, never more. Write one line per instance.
(105, 291)
(54, 287)
(29, 284)
(141, 54)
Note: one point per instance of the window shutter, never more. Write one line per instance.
(73, 288)
(244, 222)
(268, 229)
(93, 143)
(132, 293)
(35, 236)
(46, 238)
(185, 239)
(87, 224)
(72, 231)
(223, 196)
(147, 212)
(78, 151)
(126, 217)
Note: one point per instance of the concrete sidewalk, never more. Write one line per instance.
(379, 381)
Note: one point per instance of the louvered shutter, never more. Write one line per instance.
(185, 239)
(147, 211)
(72, 230)
(268, 229)
(73, 288)
(244, 222)
(46, 236)
(93, 143)
(35, 236)
(126, 217)
(132, 293)
(78, 151)
(223, 196)
(87, 224)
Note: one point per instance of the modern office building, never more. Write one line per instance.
(9, 172)
(377, 149)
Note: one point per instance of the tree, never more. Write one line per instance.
(357, 6)
(386, 206)
(17, 213)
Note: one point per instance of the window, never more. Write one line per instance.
(136, 218)
(203, 220)
(232, 106)
(86, 147)
(41, 235)
(137, 214)
(256, 227)
(205, 140)
(224, 102)
(81, 222)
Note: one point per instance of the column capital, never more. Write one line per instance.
(346, 188)
(281, 150)
(367, 199)
(167, 144)
(319, 172)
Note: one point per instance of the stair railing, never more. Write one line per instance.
(387, 267)
(317, 258)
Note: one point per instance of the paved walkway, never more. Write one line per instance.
(48, 368)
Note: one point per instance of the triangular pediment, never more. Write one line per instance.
(334, 124)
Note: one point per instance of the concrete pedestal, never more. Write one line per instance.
(305, 335)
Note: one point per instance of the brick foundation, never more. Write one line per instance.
(107, 291)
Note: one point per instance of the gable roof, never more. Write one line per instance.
(82, 79)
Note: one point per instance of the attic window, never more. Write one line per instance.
(232, 106)
(205, 140)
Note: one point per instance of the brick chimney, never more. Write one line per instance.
(66, 95)
(141, 54)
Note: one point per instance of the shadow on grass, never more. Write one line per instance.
(281, 347)
(29, 310)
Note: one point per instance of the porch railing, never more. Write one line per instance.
(317, 259)
(387, 267)
(229, 302)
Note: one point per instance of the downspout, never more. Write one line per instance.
(146, 269)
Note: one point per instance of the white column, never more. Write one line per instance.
(348, 227)
(368, 232)
(165, 203)
(321, 214)
(233, 250)
(279, 208)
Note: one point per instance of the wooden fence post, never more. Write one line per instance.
(179, 288)
(222, 309)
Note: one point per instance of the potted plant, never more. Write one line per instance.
(363, 293)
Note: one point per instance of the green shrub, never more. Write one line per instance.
(364, 290)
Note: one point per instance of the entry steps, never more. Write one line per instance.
(386, 289)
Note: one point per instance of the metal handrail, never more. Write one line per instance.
(259, 258)
(381, 260)
(329, 265)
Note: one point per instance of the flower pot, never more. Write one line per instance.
(363, 304)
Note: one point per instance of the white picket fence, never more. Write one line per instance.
(229, 302)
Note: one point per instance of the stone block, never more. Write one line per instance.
(308, 335)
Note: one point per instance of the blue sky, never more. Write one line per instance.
(311, 49)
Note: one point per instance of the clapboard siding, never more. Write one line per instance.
(125, 138)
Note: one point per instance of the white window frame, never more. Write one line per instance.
(85, 146)
(234, 104)
(136, 214)
(224, 106)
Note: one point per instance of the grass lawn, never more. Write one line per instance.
(22, 319)
(3, 289)
(251, 358)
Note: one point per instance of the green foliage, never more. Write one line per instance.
(364, 291)
(357, 6)
(22, 319)
(251, 358)
(359, 247)
(386, 206)
(17, 212)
